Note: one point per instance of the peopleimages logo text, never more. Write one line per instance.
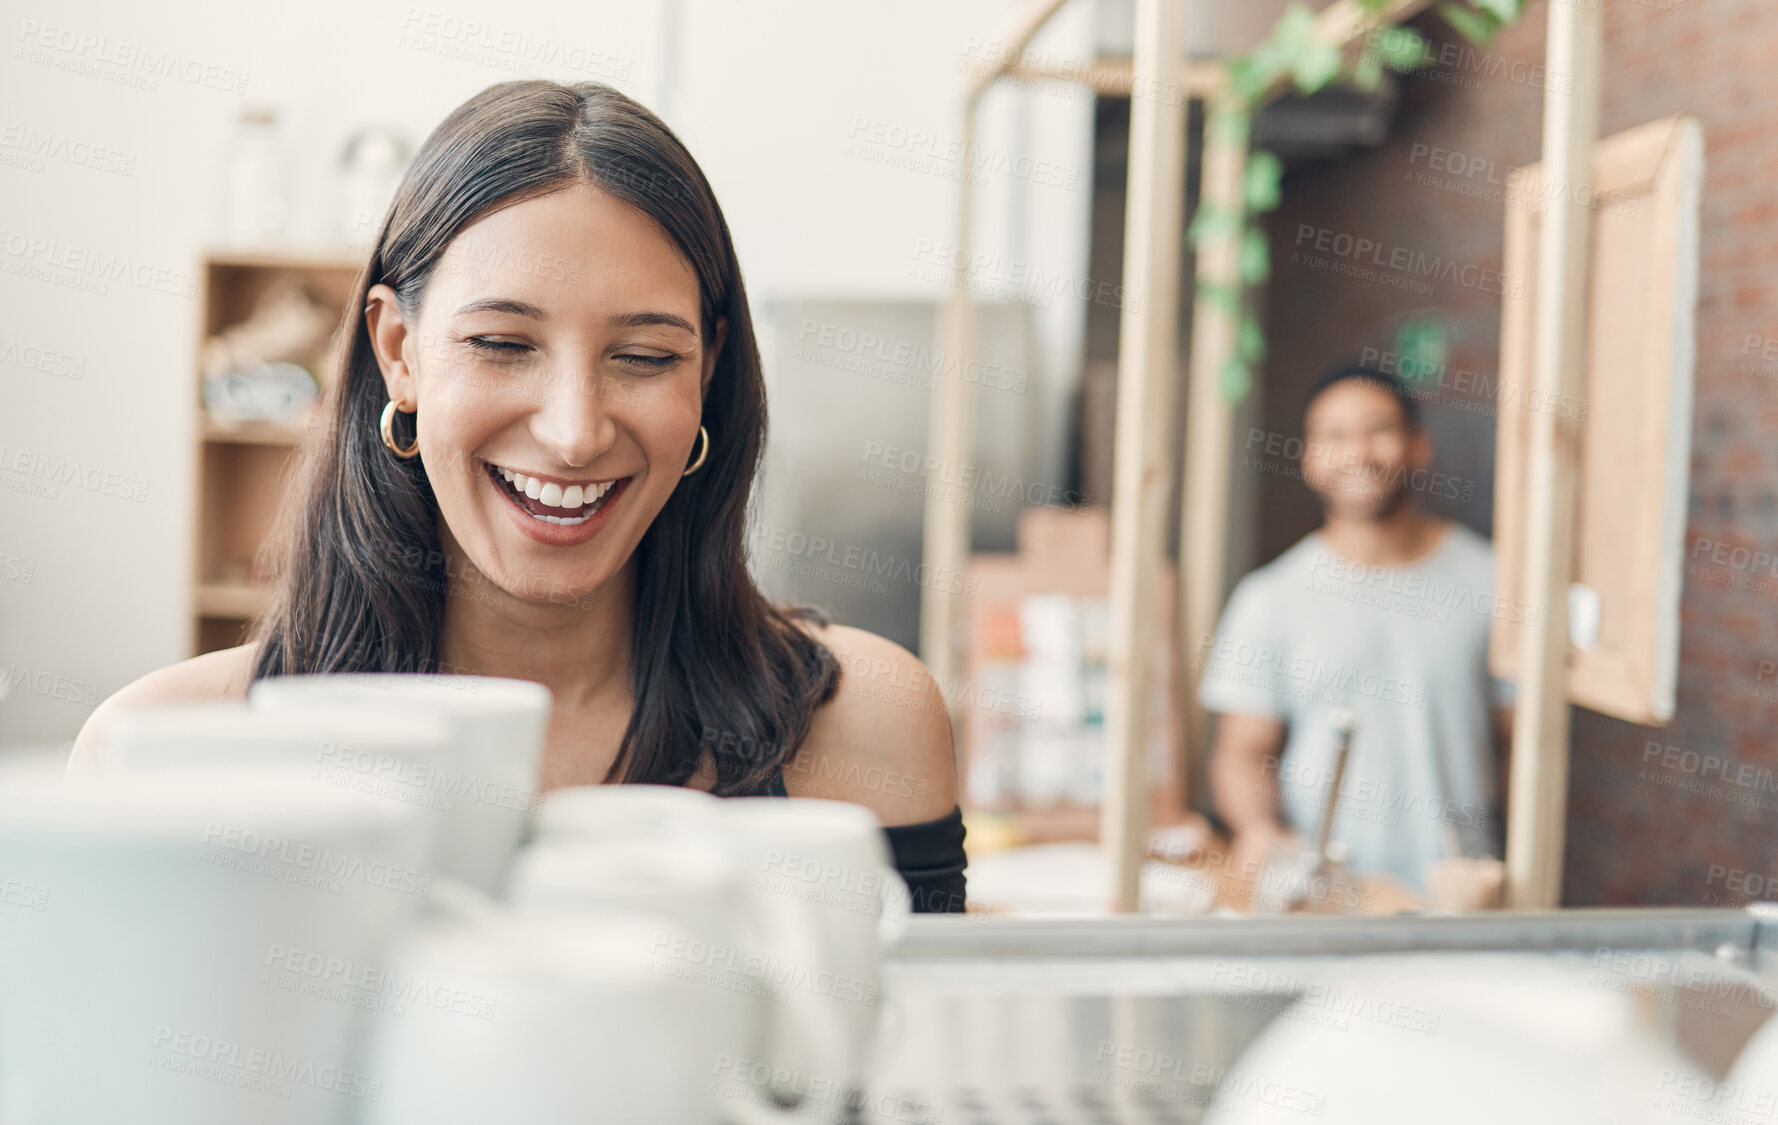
(318, 860)
(137, 60)
(1406, 260)
(92, 266)
(62, 470)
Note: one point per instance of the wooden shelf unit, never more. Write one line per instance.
(1058, 552)
(247, 433)
(244, 469)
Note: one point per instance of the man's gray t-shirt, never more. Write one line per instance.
(1406, 649)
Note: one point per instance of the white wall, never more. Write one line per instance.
(767, 93)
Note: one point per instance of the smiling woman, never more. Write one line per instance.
(538, 455)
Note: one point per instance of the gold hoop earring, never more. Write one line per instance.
(387, 428)
(703, 451)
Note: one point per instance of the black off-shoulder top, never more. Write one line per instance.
(929, 855)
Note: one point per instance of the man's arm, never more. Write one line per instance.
(1243, 781)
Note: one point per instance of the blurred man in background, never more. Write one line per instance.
(1384, 613)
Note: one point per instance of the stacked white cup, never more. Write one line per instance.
(265, 912)
(395, 757)
(743, 956)
(498, 726)
(691, 924)
(137, 986)
(580, 1024)
(830, 861)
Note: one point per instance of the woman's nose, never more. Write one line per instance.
(574, 422)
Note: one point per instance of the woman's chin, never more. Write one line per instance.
(576, 594)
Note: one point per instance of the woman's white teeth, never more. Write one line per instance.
(552, 495)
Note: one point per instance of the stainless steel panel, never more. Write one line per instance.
(1131, 1019)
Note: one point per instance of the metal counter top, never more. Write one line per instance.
(975, 937)
(993, 1020)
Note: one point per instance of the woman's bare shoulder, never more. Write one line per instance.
(225, 674)
(884, 740)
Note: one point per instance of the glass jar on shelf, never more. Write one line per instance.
(256, 181)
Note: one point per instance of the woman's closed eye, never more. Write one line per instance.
(512, 349)
(643, 362)
(498, 347)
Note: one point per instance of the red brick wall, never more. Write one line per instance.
(1646, 826)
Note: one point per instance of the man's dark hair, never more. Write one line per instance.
(1383, 380)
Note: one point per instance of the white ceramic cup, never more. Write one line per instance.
(135, 987)
(1756, 1068)
(600, 812)
(750, 955)
(579, 1026)
(499, 725)
(1478, 1038)
(405, 759)
(829, 861)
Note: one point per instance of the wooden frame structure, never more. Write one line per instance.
(1146, 372)
(1632, 421)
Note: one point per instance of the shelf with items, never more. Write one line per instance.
(268, 337)
(230, 601)
(213, 633)
(240, 487)
(249, 433)
(1032, 733)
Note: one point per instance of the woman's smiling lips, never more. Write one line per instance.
(553, 511)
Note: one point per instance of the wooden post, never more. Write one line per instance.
(1009, 51)
(1114, 79)
(1147, 368)
(951, 419)
(1538, 808)
(949, 429)
(1204, 498)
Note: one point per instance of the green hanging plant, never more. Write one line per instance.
(1293, 55)
(1250, 342)
(1236, 380)
(1212, 223)
(1471, 24)
(1422, 348)
(1401, 49)
(1480, 20)
(1262, 185)
(1256, 257)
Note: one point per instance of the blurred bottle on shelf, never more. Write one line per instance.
(993, 782)
(256, 202)
(1039, 681)
(1050, 627)
(370, 170)
(1065, 642)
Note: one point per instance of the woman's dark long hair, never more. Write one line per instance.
(362, 579)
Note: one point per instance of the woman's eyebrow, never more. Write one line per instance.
(645, 319)
(504, 305)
